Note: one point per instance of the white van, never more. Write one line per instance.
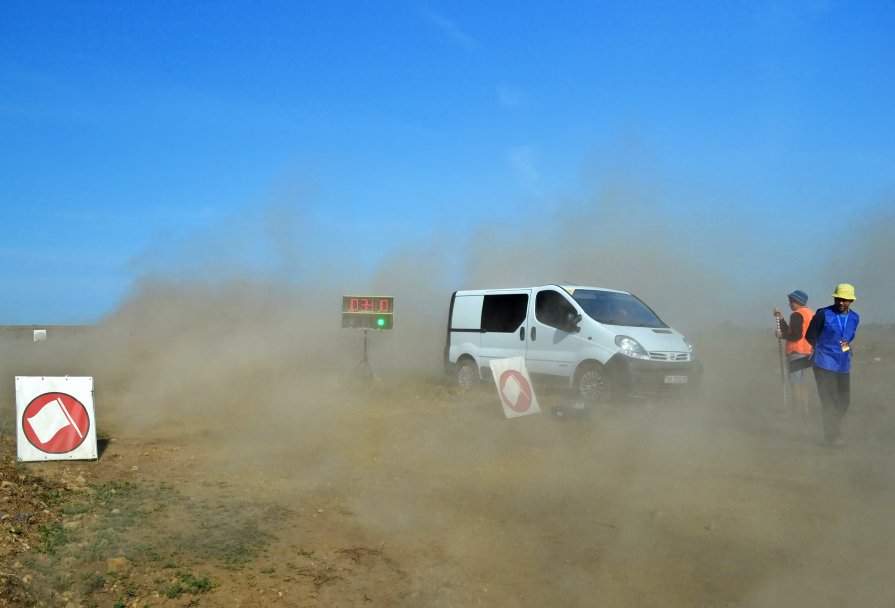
(597, 341)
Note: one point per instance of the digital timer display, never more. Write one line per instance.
(368, 304)
(368, 312)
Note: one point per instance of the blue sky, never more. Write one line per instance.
(138, 136)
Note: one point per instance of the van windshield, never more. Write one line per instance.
(612, 308)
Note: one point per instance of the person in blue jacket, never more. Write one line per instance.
(831, 333)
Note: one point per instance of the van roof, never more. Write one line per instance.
(572, 288)
(566, 286)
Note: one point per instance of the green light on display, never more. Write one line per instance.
(380, 322)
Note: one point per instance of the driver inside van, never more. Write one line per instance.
(546, 311)
(622, 315)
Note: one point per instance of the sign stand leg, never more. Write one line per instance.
(364, 363)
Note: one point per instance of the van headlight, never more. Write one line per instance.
(631, 347)
(689, 346)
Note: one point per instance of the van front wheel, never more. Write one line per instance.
(592, 384)
(467, 374)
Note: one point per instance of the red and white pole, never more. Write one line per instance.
(782, 366)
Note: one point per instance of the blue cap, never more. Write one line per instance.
(799, 297)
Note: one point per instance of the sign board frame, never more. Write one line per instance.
(368, 312)
(514, 387)
(55, 418)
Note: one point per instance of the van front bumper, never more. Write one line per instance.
(633, 376)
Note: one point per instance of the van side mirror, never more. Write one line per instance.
(572, 321)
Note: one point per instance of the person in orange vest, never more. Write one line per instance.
(797, 347)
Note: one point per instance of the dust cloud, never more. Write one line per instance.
(730, 499)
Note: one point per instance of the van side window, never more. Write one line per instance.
(552, 309)
(504, 312)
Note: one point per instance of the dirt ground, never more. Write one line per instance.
(265, 487)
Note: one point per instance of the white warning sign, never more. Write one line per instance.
(55, 418)
(514, 387)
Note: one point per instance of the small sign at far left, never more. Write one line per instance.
(55, 418)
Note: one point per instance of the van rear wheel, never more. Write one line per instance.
(592, 384)
(467, 374)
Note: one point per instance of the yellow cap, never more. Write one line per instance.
(844, 291)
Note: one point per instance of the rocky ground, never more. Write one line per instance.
(402, 492)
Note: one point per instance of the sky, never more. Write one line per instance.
(286, 140)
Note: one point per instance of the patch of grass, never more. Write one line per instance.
(229, 541)
(161, 497)
(120, 506)
(143, 522)
(95, 582)
(60, 581)
(54, 497)
(113, 492)
(75, 508)
(144, 552)
(187, 582)
(97, 546)
(53, 536)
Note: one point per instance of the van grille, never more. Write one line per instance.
(672, 356)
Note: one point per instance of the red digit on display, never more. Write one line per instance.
(383, 305)
(368, 305)
(353, 305)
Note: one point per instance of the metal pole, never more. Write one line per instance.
(782, 367)
(366, 360)
(368, 371)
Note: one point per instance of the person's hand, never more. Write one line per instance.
(777, 313)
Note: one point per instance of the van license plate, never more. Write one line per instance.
(675, 379)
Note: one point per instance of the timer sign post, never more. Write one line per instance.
(366, 313)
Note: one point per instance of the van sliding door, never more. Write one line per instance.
(504, 326)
